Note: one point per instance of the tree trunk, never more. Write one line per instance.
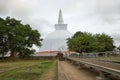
(13, 55)
(2, 56)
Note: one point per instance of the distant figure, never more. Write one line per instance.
(60, 56)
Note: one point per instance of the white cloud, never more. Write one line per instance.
(94, 16)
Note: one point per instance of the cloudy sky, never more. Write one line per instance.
(95, 16)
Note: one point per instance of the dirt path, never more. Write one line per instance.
(69, 72)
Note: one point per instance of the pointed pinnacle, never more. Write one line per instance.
(60, 18)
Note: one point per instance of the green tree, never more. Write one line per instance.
(87, 42)
(18, 36)
(80, 42)
(3, 38)
(26, 52)
(106, 41)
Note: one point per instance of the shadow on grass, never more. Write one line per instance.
(29, 74)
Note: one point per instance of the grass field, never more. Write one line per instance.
(28, 70)
(111, 58)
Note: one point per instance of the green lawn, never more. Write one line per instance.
(26, 70)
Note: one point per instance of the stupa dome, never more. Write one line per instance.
(56, 40)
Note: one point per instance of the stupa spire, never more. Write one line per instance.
(60, 18)
(60, 25)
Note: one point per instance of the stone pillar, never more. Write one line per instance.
(101, 76)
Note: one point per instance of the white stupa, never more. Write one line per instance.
(56, 40)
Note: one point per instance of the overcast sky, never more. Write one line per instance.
(95, 16)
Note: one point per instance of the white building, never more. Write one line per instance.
(56, 40)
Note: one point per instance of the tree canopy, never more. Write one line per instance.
(87, 42)
(17, 37)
